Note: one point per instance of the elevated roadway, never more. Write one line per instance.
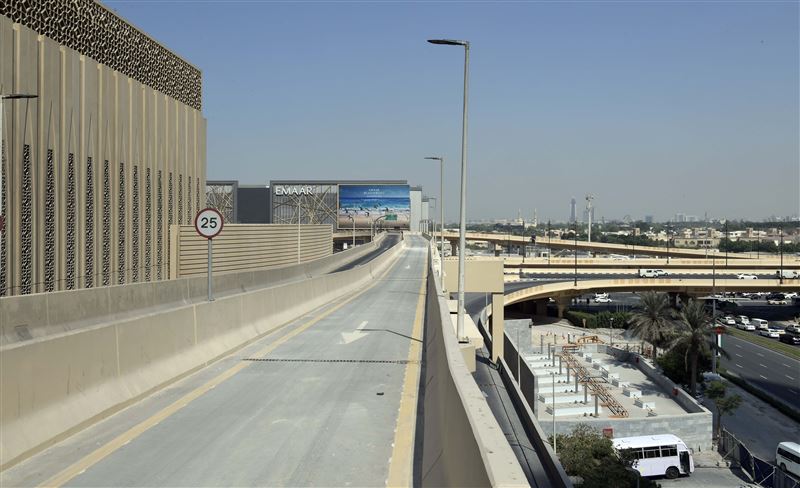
(325, 400)
(505, 239)
(774, 373)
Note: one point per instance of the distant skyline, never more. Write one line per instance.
(656, 108)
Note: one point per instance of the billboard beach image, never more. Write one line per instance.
(388, 205)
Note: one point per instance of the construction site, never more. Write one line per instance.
(583, 378)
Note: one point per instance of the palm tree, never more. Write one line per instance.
(653, 322)
(695, 329)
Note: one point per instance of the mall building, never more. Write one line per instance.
(306, 201)
(103, 147)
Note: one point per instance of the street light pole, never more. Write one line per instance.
(576, 251)
(611, 333)
(441, 216)
(354, 231)
(463, 205)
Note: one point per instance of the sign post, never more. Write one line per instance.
(208, 223)
(718, 331)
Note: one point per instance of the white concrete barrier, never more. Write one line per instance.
(462, 444)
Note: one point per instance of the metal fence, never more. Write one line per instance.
(760, 471)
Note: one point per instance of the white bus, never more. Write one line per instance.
(658, 455)
(787, 457)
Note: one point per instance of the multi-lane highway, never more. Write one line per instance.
(316, 403)
(774, 373)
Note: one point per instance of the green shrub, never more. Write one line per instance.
(599, 320)
(674, 365)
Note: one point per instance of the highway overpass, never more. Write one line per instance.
(506, 239)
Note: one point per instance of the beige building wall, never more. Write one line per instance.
(100, 164)
(241, 247)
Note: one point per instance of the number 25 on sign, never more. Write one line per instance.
(208, 223)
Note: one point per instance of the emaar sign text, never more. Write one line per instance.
(294, 190)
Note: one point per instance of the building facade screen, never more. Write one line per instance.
(386, 206)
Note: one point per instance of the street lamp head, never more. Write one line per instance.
(449, 42)
(18, 96)
(437, 158)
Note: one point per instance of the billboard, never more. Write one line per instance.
(388, 206)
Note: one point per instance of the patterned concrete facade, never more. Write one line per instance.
(108, 156)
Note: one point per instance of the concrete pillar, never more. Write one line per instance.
(495, 248)
(563, 305)
(497, 329)
(673, 299)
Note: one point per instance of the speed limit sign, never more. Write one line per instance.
(208, 223)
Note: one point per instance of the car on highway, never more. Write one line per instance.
(747, 326)
(743, 319)
(651, 273)
(772, 333)
(728, 320)
(793, 329)
(787, 274)
(790, 339)
(760, 324)
(745, 276)
(602, 300)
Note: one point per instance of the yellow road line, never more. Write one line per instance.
(102, 452)
(401, 465)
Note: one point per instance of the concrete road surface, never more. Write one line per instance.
(314, 404)
(770, 371)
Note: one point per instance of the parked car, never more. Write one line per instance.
(790, 339)
(745, 276)
(772, 333)
(777, 301)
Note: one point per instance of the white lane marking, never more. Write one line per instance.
(793, 391)
(739, 366)
(789, 377)
(737, 345)
(738, 355)
(763, 376)
(786, 365)
(348, 337)
(759, 354)
(761, 365)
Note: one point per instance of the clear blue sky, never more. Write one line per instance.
(654, 107)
